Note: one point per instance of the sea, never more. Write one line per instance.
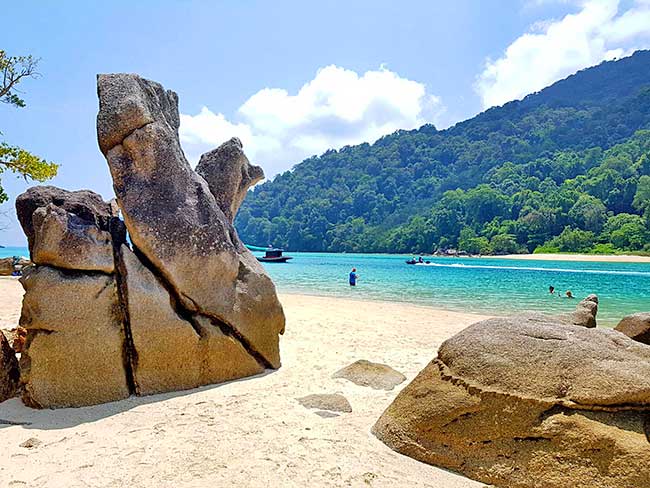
(479, 285)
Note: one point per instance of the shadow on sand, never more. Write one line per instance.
(13, 412)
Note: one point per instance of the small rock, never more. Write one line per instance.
(31, 443)
(585, 313)
(65, 240)
(19, 338)
(375, 375)
(333, 402)
(636, 326)
(85, 204)
(6, 266)
(9, 372)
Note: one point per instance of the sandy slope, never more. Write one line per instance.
(252, 432)
(623, 258)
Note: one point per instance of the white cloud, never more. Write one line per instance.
(336, 108)
(600, 31)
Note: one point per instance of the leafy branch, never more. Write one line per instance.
(13, 69)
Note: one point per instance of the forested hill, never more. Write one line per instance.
(567, 168)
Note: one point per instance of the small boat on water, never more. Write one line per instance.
(417, 261)
(271, 254)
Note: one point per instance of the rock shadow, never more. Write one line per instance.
(14, 413)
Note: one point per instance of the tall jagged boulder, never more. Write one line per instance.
(175, 221)
(189, 305)
(524, 403)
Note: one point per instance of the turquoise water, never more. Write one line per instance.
(493, 286)
(7, 252)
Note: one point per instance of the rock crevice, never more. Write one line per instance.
(191, 316)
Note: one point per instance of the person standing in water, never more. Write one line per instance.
(353, 277)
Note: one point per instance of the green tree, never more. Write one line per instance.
(574, 240)
(617, 222)
(641, 200)
(630, 237)
(505, 244)
(469, 242)
(14, 69)
(589, 213)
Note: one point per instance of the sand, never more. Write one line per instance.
(248, 433)
(11, 295)
(605, 258)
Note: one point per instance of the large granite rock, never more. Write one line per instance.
(636, 326)
(64, 240)
(9, 372)
(525, 403)
(174, 220)
(74, 352)
(229, 175)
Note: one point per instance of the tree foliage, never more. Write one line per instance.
(553, 171)
(13, 159)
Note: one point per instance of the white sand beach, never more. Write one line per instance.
(594, 258)
(248, 433)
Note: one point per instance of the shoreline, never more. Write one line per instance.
(592, 258)
(601, 258)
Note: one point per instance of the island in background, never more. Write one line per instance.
(566, 169)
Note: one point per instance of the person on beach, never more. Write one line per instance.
(353, 277)
(551, 289)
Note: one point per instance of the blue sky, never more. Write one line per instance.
(293, 78)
